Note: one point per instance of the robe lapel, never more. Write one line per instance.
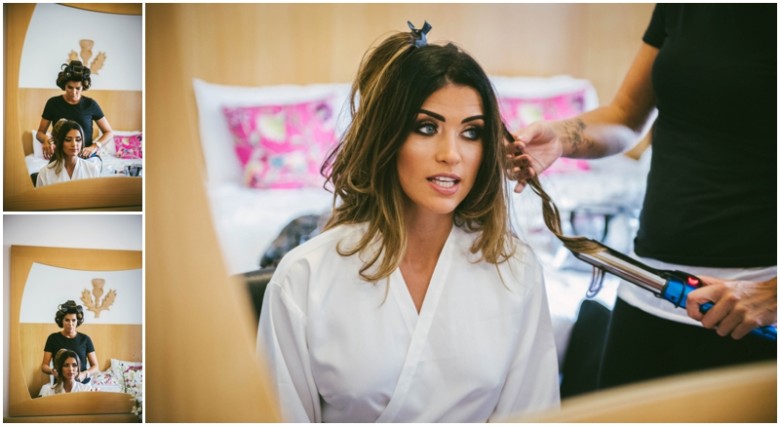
(419, 324)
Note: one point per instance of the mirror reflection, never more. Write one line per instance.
(92, 316)
(92, 79)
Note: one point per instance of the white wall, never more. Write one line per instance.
(90, 231)
(55, 31)
(48, 286)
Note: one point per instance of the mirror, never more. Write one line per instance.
(32, 64)
(41, 276)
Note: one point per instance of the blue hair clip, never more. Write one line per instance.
(421, 34)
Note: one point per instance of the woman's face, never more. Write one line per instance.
(439, 161)
(72, 145)
(73, 91)
(70, 369)
(69, 323)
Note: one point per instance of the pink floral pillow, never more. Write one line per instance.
(129, 146)
(519, 112)
(282, 146)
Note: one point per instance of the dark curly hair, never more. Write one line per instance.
(74, 71)
(69, 307)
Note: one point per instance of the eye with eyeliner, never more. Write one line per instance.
(473, 133)
(426, 127)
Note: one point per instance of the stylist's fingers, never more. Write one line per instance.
(715, 291)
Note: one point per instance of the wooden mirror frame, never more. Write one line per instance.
(19, 194)
(80, 407)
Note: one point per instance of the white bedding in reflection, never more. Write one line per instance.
(111, 165)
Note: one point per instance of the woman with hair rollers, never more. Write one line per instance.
(417, 303)
(74, 78)
(711, 202)
(69, 316)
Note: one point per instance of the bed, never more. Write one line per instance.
(249, 207)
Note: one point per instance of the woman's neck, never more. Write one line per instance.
(70, 164)
(425, 237)
(67, 386)
(69, 335)
(69, 102)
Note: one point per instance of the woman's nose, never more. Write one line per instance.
(447, 149)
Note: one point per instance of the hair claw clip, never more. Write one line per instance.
(421, 34)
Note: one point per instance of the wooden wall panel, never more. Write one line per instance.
(121, 107)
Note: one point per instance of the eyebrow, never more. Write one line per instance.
(441, 118)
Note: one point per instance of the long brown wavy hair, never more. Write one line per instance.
(394, 80)
(59, 132)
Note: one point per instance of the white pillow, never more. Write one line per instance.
(222, 165)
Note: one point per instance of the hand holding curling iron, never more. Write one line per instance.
(738, 306)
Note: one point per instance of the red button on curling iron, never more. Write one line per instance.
(693, 281)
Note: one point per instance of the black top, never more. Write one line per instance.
(83, 113)
(81, 344)
(712, 191)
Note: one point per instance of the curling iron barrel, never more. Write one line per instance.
(672, 286)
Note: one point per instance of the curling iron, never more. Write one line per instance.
(672, 286)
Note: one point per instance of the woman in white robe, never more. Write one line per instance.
(68, 367)
(416, 304)
(65, 165)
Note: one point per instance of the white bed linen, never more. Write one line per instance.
(112, 166)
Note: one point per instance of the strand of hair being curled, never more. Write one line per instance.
(552, 219)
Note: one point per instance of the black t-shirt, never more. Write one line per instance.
(83, 113)
(712, 191)
(81, 344)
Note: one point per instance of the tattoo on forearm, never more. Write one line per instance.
(574, 130)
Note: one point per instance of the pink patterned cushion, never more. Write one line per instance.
(129, 146)
(282, 146)
(520, 112)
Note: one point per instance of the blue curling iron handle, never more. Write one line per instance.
(677, 293)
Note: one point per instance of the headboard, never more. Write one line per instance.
(121, 107)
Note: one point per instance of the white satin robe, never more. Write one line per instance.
(84, 169)
(344, 350)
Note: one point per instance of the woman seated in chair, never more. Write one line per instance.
(65, 165)
(68, 367)
(416, 303)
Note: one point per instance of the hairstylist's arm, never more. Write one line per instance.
(604, 131)
(106, 134)
(739, 306)
(45, 368)
(93, 366)
(44, 139)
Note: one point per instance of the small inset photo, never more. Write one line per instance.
(73, 107)
(73, 309)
